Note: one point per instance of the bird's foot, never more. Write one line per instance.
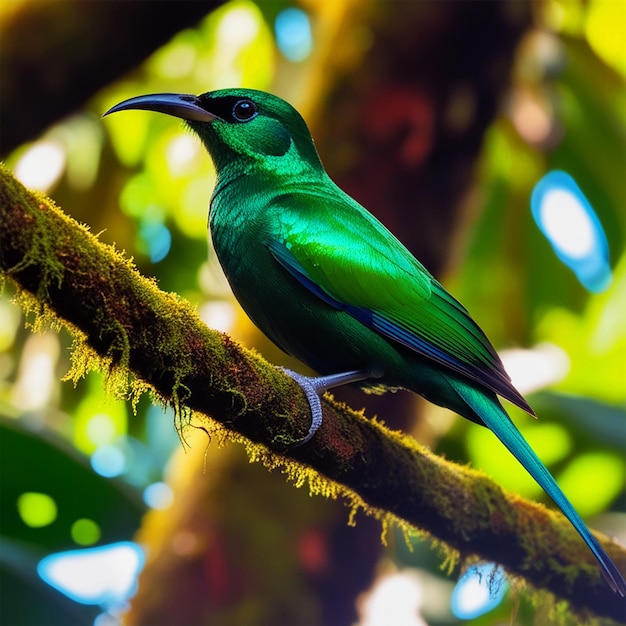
(315, 386)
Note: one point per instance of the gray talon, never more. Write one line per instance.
(314, 387)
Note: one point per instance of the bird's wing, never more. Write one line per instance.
(347, 258)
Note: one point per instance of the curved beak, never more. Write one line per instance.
(184, 106)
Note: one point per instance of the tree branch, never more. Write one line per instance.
(129, 325)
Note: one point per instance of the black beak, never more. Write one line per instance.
(185, 106)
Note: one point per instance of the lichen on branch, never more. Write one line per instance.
(146, 339)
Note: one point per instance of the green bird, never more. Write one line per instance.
(330, 285)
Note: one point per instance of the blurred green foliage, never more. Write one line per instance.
(146, 182)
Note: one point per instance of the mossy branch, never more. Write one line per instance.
(125, 325)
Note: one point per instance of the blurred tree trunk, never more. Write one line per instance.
(401, 130)
(403, 125)
(54, 56)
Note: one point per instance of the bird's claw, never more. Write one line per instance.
(312, 393)
(315, 386)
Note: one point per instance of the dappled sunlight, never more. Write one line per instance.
(181, 152)
(395, 599)
(41, 165)
(105, 575)
(407, 596)
(219, 315)
(536, 368)
(36, 385)
(537, 257)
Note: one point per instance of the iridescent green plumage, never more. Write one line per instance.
(329, 284)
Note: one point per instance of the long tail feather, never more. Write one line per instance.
(496, 419)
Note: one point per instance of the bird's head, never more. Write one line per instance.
(238, 124)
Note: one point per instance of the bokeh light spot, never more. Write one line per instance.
(218, 314)
(572, 227)
(85, 532)
(568, 227)
(395, 599)
(239, 26)
(101, 429)
(36, 509)
(108, 461)
(41, 166)
(293, 34)
(180, 153)
(533, 369)
(157, 238)
(605, 26)
(104, 575)
(35, 383)
(479, 590)
(593, 480)
(158, 495)
(176, 60)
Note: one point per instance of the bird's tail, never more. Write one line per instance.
(496, 419)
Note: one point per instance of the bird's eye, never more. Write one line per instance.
(244, 110)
